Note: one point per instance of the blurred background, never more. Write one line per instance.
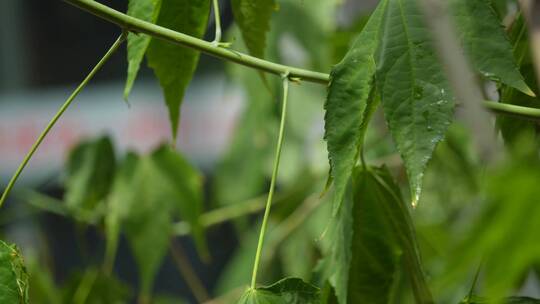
(227, 131)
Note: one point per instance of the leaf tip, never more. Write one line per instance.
(416, 197)
(524, 88)
(529, 92)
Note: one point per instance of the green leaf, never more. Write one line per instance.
(253, 18)
(148, 224)
(373, 239)
(149, 194)
(417, 103)
(349, 102)
(137, 43)
(119, 204)
(174, 65)
(148, 230)
(486, 43)
(90, 168)
(286, 291)
(414, 93)
(13, 276)
(395, 55)
(184, 186)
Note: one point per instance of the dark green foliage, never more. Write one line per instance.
(90, 168)
(504, 234)
(373, 240)
(286, 291)
(485, 42)
(13, 276)
(362, 246)
(146, 10)
(511, 129)
(174, 65)
(350, 97)
(149, 195)
(394, 58)
(253, 19)
(94, 287)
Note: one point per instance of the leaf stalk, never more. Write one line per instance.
(264, 225)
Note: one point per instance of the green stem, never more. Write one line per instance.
(139, 26)
(85, 287)
(224, 214)
(57, 116)
(513, 110)
(217, 18)
(273, 180)
(188, 273)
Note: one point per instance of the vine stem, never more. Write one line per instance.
(132, 24)
(513, 110)
(188, 273)
(61, 111)
(285, 79)
(139, 26)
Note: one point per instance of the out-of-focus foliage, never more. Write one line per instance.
(90, 172)
(506, 229)
(94, 287)
(144, 196)
(253, 18)
(359, 241)
(510, 128)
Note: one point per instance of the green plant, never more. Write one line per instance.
(373, 246)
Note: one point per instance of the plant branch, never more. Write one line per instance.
(513, 110)
(138, 26)
(57, 116)
(85, 287)
(189, 275)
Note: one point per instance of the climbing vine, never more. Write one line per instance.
(403, 97)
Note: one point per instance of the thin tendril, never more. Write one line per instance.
(57, 116)
(264, 225)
